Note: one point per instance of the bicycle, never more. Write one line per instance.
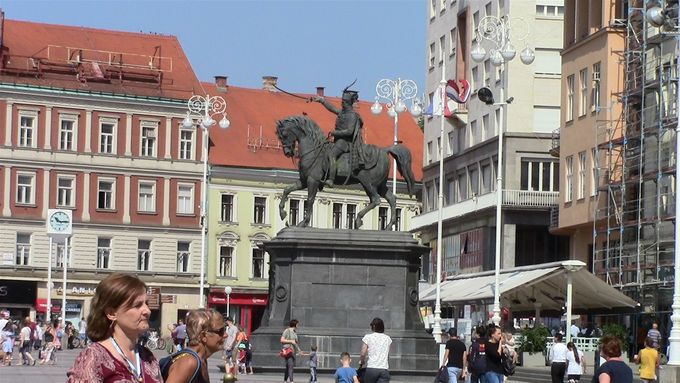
(155, 342)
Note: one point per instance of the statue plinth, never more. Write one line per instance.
(335, 282)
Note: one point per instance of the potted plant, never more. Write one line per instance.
(534, 341)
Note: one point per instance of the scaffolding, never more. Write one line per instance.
(634, 219)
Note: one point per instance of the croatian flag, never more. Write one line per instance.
(444, 100)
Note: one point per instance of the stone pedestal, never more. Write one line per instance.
(669, 374)
(335, 282)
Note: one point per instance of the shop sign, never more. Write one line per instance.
(153, 301)
(168, 298)
(73, 307)
(76, 290)
(12, 292)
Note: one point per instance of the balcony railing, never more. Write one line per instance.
(527, 198)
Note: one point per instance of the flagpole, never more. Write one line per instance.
(437, 328)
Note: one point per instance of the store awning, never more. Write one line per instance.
(524, 288)
(41, 305)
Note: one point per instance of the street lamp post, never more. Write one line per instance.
(571, 266)
(227, 290)
(396, 93)
(204, 109)
(497, 31)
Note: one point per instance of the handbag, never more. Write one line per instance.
(442, 375)
(508, 364)
(286, 352)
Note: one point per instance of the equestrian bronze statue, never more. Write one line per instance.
(345, 161)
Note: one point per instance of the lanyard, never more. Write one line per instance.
(135, 370)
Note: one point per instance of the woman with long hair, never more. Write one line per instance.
(118, 316)
(205, 330)
(576, 363)
(25, 343)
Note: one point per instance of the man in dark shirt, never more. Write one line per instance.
(494, 347)
(455, 357)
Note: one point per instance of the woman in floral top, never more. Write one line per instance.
(118, 316)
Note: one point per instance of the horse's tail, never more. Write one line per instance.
(403, 157)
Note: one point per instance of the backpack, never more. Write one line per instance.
(477, 357)
(507, 364)
(166, 362)
(48, 337)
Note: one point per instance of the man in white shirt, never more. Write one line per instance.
(574, 330)
(558, 358)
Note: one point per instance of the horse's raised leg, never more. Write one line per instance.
(282, 205)
(386, 193)
(374, 201)
(312, 189)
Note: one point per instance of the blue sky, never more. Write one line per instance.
(306, 43)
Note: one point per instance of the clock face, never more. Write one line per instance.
(59, 221)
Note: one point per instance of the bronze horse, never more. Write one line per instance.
(301, 136)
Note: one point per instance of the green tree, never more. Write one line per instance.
(534, 339)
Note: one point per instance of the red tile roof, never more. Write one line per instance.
(96, 60)
(252, 111)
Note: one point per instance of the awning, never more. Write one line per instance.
(41, 305)
(524, 288)
(238, 299)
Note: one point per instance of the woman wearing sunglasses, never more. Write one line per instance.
(205, 330)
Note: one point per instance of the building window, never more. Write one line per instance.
(487, 72)
(25, 189)
(185, 199)
(397, 221)
(475, 78)
(27, 128)
(23, 255)
(61, 255)
(147, 197)
(569, 178)
(461, 133)
(103, 253)
(294, 212)
(428, 153)
(67, 129)
(442, 48)
(595, 102)
(259, 210)
(581, 175)
(148, 148)
(107, 135)
(583, 102)
(570, 98)
(186, 144)
(452, 42)
(351, 215)
(474, 180)
(486, 179)
(143, 254)
(594, 173)
(433, 8)
(65, 192)
(462, 186)
(258, 263)
(432, 55)
(227, 211)
(226, 261)
(105, 194)
(539, 175)
(337, 215)
(476, 136)
(183, 257)
(487, 129)
(382, 217)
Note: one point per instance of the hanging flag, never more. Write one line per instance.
(459, 91)
(441, 104)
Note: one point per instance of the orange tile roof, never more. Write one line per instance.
(253, 110)
(129, 63)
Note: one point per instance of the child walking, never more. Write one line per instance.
(312, 365)
(346, 374)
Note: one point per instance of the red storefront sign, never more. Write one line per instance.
(238, 299)
(41, 305)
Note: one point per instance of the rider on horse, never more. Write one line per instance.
(347, 134)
